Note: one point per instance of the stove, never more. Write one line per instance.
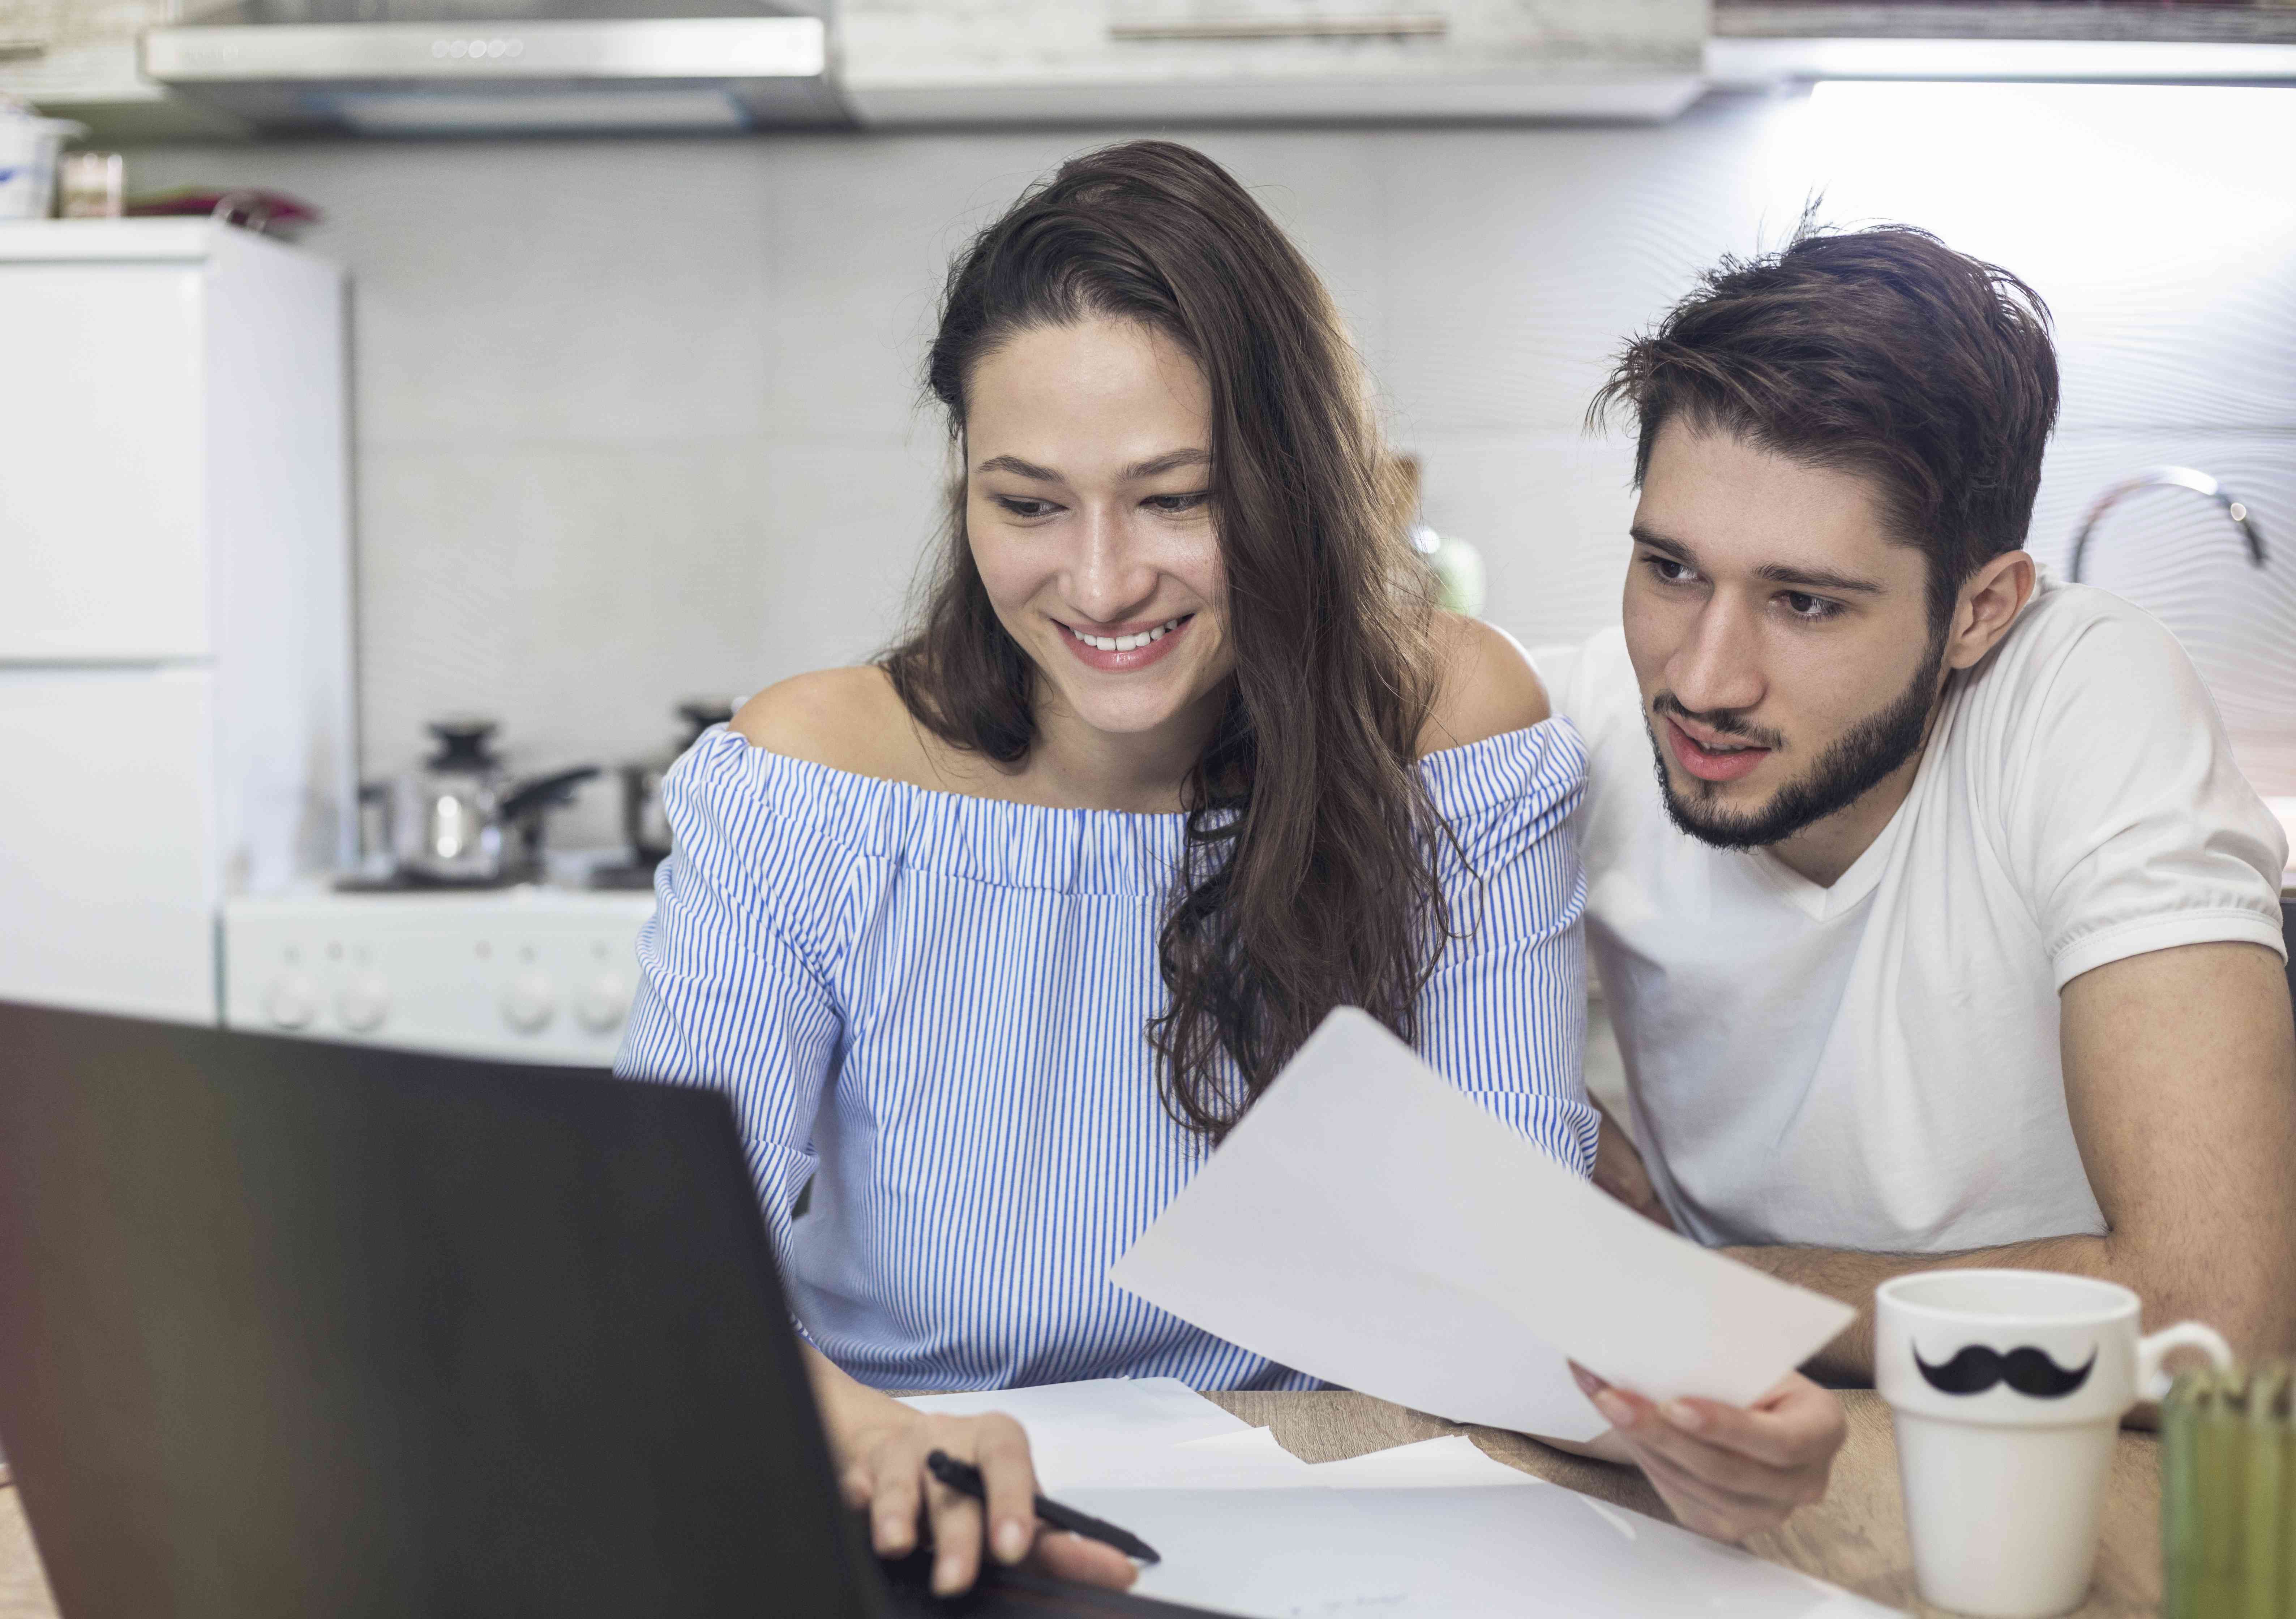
(538, 973)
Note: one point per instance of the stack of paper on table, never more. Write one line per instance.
(1426, 1531)
(1124, 1433)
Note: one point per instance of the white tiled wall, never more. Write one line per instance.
(2160, 225)
(640, 419)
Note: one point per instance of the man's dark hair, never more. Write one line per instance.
(1882, 352)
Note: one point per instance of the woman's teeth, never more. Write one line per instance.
(1125, 643)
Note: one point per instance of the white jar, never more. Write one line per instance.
(29, 145)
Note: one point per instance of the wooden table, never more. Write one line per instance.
(1855, 1537)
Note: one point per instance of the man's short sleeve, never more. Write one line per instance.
(2126, 818)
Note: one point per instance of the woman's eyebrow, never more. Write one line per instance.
(1156, 466)
(1171, 460)
(1019, 469)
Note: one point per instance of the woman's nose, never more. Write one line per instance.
(1110, 575)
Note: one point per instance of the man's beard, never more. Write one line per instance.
(1861, 759)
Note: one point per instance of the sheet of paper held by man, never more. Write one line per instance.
(1370, 1224)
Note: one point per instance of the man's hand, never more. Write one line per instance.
(1726, 1472)
(1619, 1171)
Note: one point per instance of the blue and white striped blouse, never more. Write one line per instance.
(934, 1007)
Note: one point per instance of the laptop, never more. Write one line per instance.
(292, 1329)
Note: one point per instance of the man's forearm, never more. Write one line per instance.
(1851, 1277)
(2181, 1084)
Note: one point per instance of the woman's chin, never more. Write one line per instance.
(1128, 718)
(1137, 704)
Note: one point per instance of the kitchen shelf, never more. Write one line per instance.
(1765, 43)
(2067, 20)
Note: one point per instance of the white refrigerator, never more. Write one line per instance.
(176, 698)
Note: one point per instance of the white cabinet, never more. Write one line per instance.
(1022, 60)
(102, 552)
(107, 819)
(175, 610)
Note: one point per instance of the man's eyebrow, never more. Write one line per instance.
(1019, 469)
(1171, 460)
(1659, 542)
(1776, 573)
(1819, 578)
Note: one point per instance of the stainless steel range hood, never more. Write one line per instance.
(418, 67)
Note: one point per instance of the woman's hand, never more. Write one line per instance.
(879, 1447)
(1728, 1472)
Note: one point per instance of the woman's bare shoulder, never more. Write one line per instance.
(847, 719)
(1486, 687)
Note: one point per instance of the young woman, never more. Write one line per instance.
(991, 942)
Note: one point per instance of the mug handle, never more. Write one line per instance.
(2152, 1379)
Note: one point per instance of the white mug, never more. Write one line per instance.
(2008, 1388)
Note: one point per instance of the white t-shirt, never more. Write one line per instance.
(1875, 1065)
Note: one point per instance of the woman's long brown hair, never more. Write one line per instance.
(1308, 878)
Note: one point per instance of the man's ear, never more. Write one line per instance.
(1990, 601)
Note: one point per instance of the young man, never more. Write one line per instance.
(1945, 933)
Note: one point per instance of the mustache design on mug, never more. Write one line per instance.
(2028, 1371)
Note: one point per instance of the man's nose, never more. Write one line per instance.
(1719, 668)
(1110, 576)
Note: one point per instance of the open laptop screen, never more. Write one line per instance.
(294, 1328)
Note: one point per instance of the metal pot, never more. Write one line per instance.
(643, 820)
(453, 820)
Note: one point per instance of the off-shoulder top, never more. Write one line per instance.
(933, 1008)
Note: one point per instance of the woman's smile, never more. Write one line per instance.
(1121, 649)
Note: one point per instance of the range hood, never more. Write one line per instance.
(419, 66)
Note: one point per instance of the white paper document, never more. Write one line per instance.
(1370, 1224)
(1157, 1433)
(1449, 1463)
(1122, 1432)
(1446, 1554)
(1421, 1531)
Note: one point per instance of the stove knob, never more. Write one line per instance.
(292, 1000)
(602, 1003)
(363, 1002)
(527, 1004)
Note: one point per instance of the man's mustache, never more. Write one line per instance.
(2028, 1371)
(1727, 722)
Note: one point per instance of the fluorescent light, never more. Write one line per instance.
(451, 113)
(1751, 61)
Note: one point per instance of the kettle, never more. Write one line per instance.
(448, 818)
(643, 819)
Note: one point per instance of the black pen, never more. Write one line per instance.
(964, 1478)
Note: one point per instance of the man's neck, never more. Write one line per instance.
(1822, 851)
